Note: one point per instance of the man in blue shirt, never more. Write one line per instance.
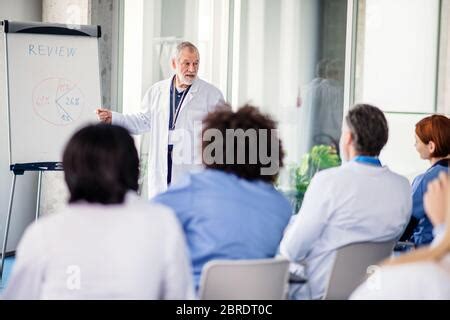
(231, 210)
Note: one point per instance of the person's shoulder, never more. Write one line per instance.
(326, 181)
(46, 224)
(418, 179)
(397, 177)
(207, 175)
(163, 82)
(184, 183)
(427, 273)
(182, 186)
(161, 213)
(154, 89)
(159, 85)
(434, 171)
(406, 281)
(420, 182)
(144, 206)
(283, 203)
(144, 213)
(331, 173)
(205, 85)
(428, 270)
(55, 219)
(407, 269)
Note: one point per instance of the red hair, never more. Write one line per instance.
(435, 128)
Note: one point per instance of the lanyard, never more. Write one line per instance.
(368, 160)
(175, 109)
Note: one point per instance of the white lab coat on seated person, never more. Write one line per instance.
(154, 118)
(425, 280)
(134, 250)
(421, 280)
(351, 203)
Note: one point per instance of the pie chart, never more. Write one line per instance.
(58, 101)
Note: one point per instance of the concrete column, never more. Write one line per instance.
(65, 11)
(102, 13)
(54, 190)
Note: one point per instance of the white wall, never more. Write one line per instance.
(399, 154)
(396, 70)
(400, 50)
(25, 193)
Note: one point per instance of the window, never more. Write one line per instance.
(402, 54)
(289, 60)
(397, 52)
(152, 29)
(286, 57)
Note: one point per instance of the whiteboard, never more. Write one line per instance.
(53, 90)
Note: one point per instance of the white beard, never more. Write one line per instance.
(186, 81)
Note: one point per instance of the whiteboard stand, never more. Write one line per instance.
(52, 80)
(19, 169)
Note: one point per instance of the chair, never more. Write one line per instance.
(259, 279)
(351, 266)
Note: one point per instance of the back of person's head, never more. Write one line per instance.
(435, 128)
(369, 129)
(333, 69)
(321, 68)
(101, 164)
(244, 143)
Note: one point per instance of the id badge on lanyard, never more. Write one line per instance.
(175, 109)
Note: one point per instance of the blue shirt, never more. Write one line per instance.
(423, 232)
(225, 217)
(373, 161)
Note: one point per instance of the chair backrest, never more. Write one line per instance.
(352, 264)
(258, 279)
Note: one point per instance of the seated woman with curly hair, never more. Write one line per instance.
(231, 210)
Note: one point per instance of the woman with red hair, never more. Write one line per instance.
(433, 144)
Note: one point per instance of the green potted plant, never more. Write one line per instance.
(319, 158)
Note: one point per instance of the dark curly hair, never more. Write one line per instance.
(369, 129)
(246, 154)
(101, 164)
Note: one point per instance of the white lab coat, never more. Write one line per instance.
(154, 118)
(134, 250)
(352, 203)
(425, 280)
(421, 280)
